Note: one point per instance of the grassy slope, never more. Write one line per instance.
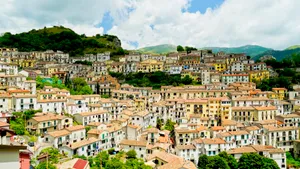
(293, 47)
(250, 50)
(159, 49)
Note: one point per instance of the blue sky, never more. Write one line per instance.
(202, 5)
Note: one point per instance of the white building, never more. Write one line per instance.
(87, 147)
(88, 117)
(138, 146)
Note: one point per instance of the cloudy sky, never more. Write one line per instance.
(140, 23)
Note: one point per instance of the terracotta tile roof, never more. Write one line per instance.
(278, 88)
(241, 150)
(273, 128)
(266, 108)
(93, 113)
(95, 124)
(184, 147)
(80, 164)
(185, 130)
(210, 141)
(95, 131)
(51, 100)
(133, 126)
(217, 128)
(75, 128)
(25, 96)
(251, 128)
(201, 128)
(59, 133)
(133, 143)
(18, 91)
(255, 149)
(228, 123)
(83, 143)
(240, 132)
(172, 160)
(48, 117)
(3, 124)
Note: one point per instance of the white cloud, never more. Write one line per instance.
(81, 15)
(270, 23)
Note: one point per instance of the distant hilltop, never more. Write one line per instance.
(62, 39)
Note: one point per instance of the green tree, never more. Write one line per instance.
(187, 80)
(232, 163)
(159, 123)
(54, 154)
(254, 160)
(180, 48)
(136, 164)
(217, 162)
(115, 164)
(80, 87)
(105, 96)
(269, 163)
(101, 159)
(188, 49)
(203, 161)
(131, 154)
(170, 125)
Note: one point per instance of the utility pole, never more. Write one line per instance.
(47, 160)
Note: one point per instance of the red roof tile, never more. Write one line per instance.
(80, 164)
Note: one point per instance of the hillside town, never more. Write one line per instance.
(222, 111)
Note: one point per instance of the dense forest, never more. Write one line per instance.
(62, 39)
(154, 80)
(287, 74)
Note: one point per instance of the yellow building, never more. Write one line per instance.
(271, 95)
(244, 114)
(139, 104)
(192, 75)
(150, 65)
(27, 63)
(258, 75)
(220, 66)
(197, 106)
(280, 92)
(47, 123)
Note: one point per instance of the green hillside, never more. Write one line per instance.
(250, 50)
(63, 39)
(279, 54)
(159, 49)
(293, 47)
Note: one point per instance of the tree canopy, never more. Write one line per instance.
(225, 161)
(180, 48)
(154, 79)
(62, 39)
(76, 86)
(254, 160)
